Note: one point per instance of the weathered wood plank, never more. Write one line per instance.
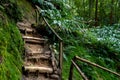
(37, 68)
(34, 41)
(39, 57)
(34, 38)
(54, 76)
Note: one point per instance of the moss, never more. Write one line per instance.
(11, 49)
(11, 44)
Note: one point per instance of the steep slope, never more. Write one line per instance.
(11, 47)
(11, 43)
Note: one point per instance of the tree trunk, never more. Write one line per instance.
(84, 8)
(91, 3)
(96, 13)
(111, 13)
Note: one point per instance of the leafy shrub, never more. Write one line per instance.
(110, 36)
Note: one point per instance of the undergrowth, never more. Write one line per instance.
(11, 47)
(11, 44)
(95, 45)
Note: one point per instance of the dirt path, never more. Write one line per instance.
(39, 61)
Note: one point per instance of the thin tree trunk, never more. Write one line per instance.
(84, 7)
(111, 13)
(90, 7)
(101, 13)
(96, 13)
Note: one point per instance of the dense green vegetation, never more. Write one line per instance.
(11, 44)
(97, 48)
(76, 20)
(11, 47)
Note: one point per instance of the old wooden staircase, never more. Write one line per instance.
(39, 59)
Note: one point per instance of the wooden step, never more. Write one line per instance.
(36, 77)
(39, 69)
(47, 52)
(33, 53)
(39, 57)
(28, 30)
(32, 49)
(35, 41)
(23, 24)
(42, 63)
(54, 76)
(34, 38)
(37, 53)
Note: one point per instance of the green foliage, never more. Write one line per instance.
(108, 10)
(11, 9)
(99, 45)
(86, 44)
(13, 12)
(11, 49)
(38, 2)
(11, 44)
(109, 35)
(4, 1)
(60, 13)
